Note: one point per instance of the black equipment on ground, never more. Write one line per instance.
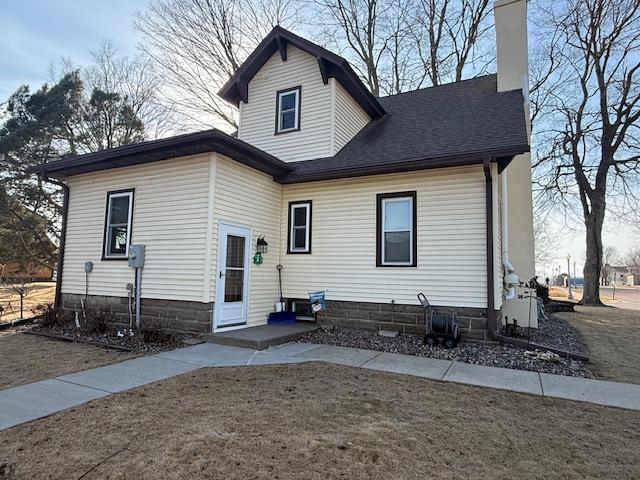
(439, 326)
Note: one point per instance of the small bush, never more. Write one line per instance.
(542, 291)
(98, 320)
(48, 315)
(153, 331)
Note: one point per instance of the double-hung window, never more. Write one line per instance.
(396, 229)
(288, 110)
(117, 230)
(299, 227)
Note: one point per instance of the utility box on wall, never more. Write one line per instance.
(136, 256)
(523, 308)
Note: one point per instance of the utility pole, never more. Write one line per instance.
(569, 294)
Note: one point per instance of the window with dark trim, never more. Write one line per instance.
(117, 225)
(288, 110)
(396, 235)
(299, 231)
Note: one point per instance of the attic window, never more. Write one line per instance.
(288, 110)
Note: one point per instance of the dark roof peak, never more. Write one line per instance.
(330, 65)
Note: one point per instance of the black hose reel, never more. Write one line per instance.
(439, 326)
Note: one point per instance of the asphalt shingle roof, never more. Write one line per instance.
(462, 119)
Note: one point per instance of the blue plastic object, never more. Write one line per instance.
(282, 318)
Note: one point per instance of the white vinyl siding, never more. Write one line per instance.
(258, 115)
(169, 217)
(349, 119)
(451, 240)
(249, 198)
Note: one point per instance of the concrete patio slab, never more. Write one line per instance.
(353, 357)
(261, 336)
(130, 373)
(208, 354)
(409, 365)
(36, 400)
(611, 394)
(293, 348)
(502, 378)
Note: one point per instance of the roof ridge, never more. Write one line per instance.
(442, 85)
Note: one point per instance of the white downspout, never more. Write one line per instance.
(510, 278)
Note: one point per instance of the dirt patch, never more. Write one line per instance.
(612, 336)
(319, 421)
(27, 358)
(37, 293)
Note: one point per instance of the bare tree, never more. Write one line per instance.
(591, 123)
(198, 44)
(609, 258)
(632, 260)
(400, 45)
(449, 36)
(358, 24)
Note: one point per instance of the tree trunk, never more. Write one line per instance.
(593, 264)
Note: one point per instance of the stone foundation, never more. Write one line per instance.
(401, 318)
(176, 315)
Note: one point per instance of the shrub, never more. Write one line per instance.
(153, 331)
(98, 320)
(48, 315)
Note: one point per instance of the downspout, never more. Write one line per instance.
(509, 273)
(491, 318)
(63, 236)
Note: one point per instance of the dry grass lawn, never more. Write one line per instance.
(612, 336)
(37, 293)
(320, 421)
(27, 358)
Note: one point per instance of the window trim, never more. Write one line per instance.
(308, 237)
(413, 250)
(130, 192)
(279, 93)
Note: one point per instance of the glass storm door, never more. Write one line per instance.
(232, 279)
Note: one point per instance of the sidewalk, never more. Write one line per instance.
(40, 399)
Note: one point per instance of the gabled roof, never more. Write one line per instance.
(453, 124)
(189, 144)
(330, 65)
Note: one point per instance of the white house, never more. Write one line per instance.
(371, 200)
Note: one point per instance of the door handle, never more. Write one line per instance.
(221, 274)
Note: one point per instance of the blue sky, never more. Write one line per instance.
(36, 33)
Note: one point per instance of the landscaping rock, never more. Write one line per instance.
(478, 353)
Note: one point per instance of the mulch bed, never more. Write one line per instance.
(115, 337)
(553, 332)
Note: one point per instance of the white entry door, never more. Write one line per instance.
(232, 282)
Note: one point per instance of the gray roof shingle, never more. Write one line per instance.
(429, 127)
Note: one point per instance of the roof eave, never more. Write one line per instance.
(236, 88)
(503, 158)
(165, 149)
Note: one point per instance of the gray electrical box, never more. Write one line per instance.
(136, 256)
(88, 266)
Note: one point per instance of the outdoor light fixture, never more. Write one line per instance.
(261, 247)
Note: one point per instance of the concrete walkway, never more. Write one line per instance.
(36, 400)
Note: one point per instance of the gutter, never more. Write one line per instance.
(491, 316)
(63, 236)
